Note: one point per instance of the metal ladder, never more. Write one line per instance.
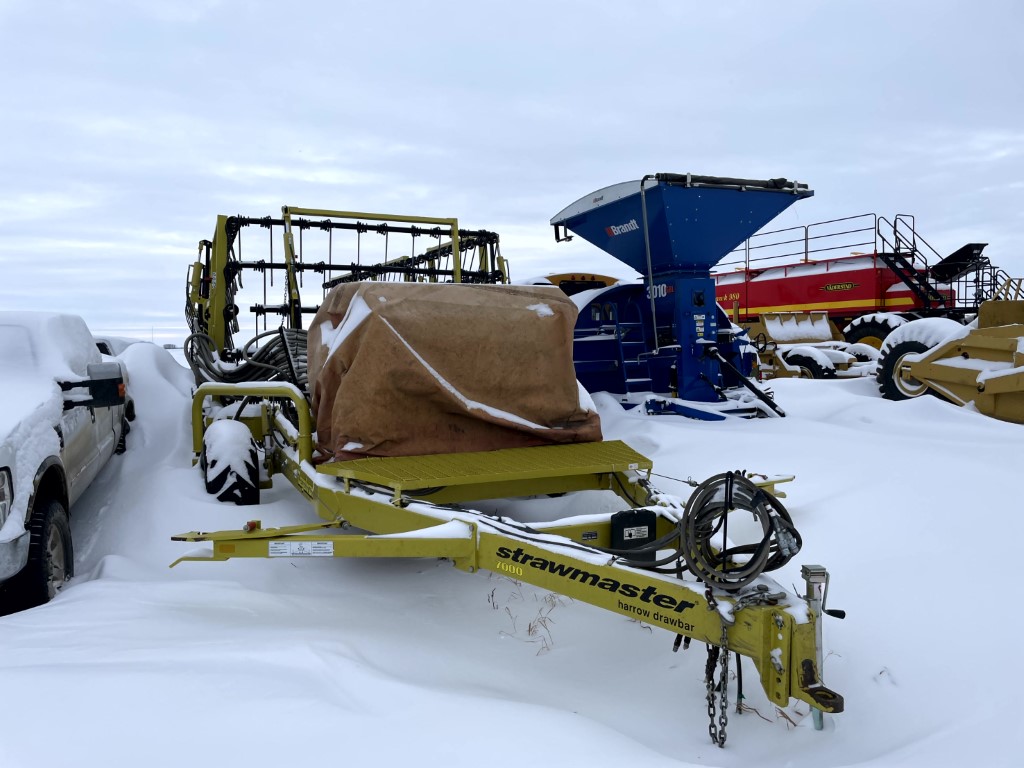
(632, 344)
(900, 256)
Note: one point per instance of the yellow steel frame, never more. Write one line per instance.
(954, 369)
(776, 629)
(452, 224)
(212, 307)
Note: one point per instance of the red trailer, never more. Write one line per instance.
(867, 272)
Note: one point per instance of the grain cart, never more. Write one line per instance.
(979, 365)
(391, 432)
(666, 343)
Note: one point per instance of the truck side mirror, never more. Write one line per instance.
(105, 388)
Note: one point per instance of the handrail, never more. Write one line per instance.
(807, 237)
(790, 246)
(906, 243)
(1008, 288)
(304, 438)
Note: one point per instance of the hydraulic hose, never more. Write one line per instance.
(708, 555)
(273, 361)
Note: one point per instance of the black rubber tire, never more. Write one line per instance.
(228, 485)
(809, 367)
(122, 442)
(870, 332)
(51, 557)
(890, 384)
(860, 354)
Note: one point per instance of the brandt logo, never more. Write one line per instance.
(618, 229)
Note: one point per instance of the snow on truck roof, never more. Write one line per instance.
(50, 343)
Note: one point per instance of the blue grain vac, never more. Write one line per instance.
(665, 342)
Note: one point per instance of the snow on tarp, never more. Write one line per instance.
(405, 369)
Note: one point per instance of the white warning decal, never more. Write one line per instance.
(639, 532)
(300, 549)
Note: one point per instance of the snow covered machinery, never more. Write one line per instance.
(980, 365)
(666, 343)
(400, 431)
(338, 246)
(867, 273)
(949, 326)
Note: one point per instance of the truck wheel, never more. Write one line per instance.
(122, 442)
(51, 560)
(230, 463)
(809, 368)
(891, 384)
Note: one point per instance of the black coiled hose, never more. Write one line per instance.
(706, 515)
(281, 358)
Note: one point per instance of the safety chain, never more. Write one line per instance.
(716, 654)
(760, 595)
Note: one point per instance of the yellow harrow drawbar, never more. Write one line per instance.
(404, 503)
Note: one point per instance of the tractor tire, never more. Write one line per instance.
(863, 353)
(912, 338)
(232, 475)
(870, 330)
(890, 383)
(809, 368)
(51, 559)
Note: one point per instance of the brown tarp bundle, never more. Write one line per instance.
(406, 369)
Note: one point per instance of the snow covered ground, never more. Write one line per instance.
(914, 508)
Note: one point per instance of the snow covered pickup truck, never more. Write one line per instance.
(63, 414)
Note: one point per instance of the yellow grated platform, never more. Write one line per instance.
(502, 466)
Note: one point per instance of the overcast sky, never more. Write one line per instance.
(128, 125)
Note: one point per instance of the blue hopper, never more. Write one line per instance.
(667, 336)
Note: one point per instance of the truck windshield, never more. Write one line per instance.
(16, 352)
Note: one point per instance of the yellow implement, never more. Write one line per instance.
(983, 367)
(410, 506)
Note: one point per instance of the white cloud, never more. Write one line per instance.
(169, 11)
(34, 206)
(132, 124)
(299, 172)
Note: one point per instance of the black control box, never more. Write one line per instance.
(634, 528)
